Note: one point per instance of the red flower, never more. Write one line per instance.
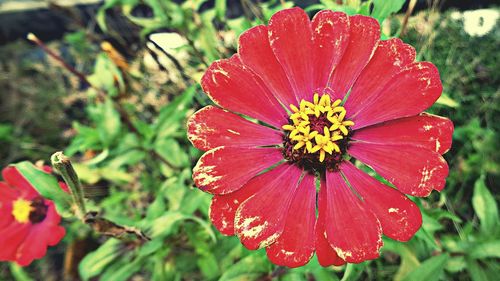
(28, 222)
(350, 96)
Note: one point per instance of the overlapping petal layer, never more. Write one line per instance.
(413, 170)
(260, 220)
(427, 131)
(212, 127)
(352, 229)
(399, 217)
(237, 88)
(290, 37)
(223, 170)
(295, 246)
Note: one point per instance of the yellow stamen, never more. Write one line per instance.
(322, 141)
(21, 210)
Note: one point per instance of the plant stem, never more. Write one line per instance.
(63, 166)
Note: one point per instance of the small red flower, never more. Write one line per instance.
(28, 222)
(325, 92)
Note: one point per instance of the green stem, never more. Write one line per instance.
(63, 166)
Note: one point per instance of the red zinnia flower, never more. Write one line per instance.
(329, 90)
(28, 222)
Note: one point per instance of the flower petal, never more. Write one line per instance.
(223, 207)
(225, 169)
(363, 38)
(390, 57)
(256, 53)
(235, 87)
(260, 220)
(12, 176)
(399, 216)
(413, 170)
(324, 252)
(212, 127)
(11, 237)
(295, 246)
(290, 38)
(40, 236)
(427, 131)
(409, 93)
(330, 40)
(354, 232)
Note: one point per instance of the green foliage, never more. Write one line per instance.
(136, 155)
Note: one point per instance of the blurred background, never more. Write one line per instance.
(121, 81)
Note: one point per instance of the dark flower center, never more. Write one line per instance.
(317, 134)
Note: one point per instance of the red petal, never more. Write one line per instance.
(330, 40)
(11, 237)
(260, 220)
(399, 216)
(389, 58)
(225, 169)
(410, 92)
(413, 170)
(363, 39)
(324, 252)
(12, 176)
(295, 246)
(236, 88)
(255, 52)
(223, 207)
(290, 37)
(41, 235)
(212, 127)
(427, 131)
(353, 230)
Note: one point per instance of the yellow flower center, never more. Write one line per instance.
(21, 210)
(316, 127)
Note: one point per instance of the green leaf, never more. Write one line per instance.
(19, 273)
(383, 8)
(485, 206)
(476, 272)
(220, 9)
(486, 250)
(444, 99)
(107, 120)
(429, 270)
(47, 185)
(249, 268)
(94, 263)
(353, 271)
(168, 121)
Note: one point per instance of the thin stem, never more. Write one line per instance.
(63, 166)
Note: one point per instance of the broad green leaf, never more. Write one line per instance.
(475, 271)
(249, 268)
(444, 99)
(429, 270)
(122, 269)
(47, 185)
(409, 260)
(353, 271)
(485, 250)
(220, 9)
(168, 121)
(94, 263)
(384, 8)
(485, 207)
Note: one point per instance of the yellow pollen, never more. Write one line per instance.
(21, 210)
(312, 141)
